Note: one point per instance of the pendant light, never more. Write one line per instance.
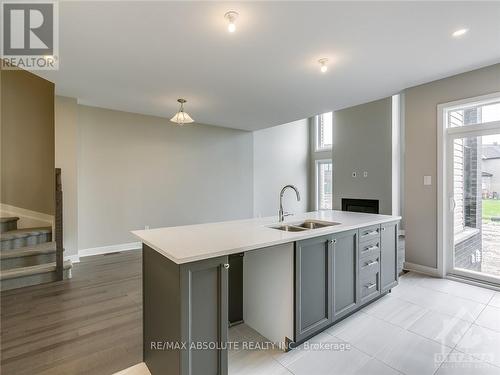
(181, 117)
(231, 17)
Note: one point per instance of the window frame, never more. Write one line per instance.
(317, 164)
(317, 146)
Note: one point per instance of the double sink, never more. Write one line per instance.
(304, 225)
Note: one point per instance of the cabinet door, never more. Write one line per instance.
(345, 273)
(204, 305)
(388, 256)
(313, 286)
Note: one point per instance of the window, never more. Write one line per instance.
(324, 131)
(321, 151)
(467, 115)
(324, 184)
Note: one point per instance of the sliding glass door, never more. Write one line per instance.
(472, 139)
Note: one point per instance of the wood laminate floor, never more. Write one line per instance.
(90, 324)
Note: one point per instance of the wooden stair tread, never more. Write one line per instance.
(32, 270)
(24, 232)
(43, 248)
(8, 219)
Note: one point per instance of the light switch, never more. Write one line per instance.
(365, 174)
(354, 174)
(427, 180)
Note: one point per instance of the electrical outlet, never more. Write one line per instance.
(365, 174)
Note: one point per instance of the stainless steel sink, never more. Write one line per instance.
(289, 228)
(315, 224)
(305, 225)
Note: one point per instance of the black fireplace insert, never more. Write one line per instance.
(369, 206)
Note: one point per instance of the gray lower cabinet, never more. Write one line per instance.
(369, 280)
(185, 304)
(388, 256)
(313, 286)
(345, 273)
(339, 273)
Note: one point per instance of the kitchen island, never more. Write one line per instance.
(300, 277)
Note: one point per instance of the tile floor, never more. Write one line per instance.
(425, 326)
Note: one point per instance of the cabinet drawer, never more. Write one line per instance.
(369, 233)
(369, 248)
(368, 266)
(369, 286)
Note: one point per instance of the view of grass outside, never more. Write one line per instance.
(491, 208)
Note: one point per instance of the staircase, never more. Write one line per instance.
(27, 256)
(31, 256)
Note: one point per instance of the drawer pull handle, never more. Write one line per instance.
(369, 286)
(383, 229)
(373, 232)
(226, 266)
(373, 262)
(370, 248)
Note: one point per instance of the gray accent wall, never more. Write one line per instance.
(281, 157)
(362, 141)
(421, 154)
(136, 170)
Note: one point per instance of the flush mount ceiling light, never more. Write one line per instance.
(459, 33)
(181, 117)
(324, 67)
(231, 17)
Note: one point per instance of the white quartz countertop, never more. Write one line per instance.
(190, 243)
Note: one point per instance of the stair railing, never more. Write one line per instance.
(59, 227)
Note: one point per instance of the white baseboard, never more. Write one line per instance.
(27, 218)
(109, 249)
(74, 258)
(421, 269)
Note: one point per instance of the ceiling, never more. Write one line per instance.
(141, 56)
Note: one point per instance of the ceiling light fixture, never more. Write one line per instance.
(459, 32)
(231, 17)
(181, 117)
(324, 67)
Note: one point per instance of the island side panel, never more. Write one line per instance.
(268, 289)
(161, 312)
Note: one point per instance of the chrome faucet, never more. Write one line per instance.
(281, 213)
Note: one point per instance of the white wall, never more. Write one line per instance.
(137, 170)
(362, 141)
(421, 154)
(281, 157)
(66, 145)
(123, 171)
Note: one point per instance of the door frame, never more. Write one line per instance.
(445, 137)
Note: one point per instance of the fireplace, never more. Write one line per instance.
(369, 206)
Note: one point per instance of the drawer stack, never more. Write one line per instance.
(369, 262)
